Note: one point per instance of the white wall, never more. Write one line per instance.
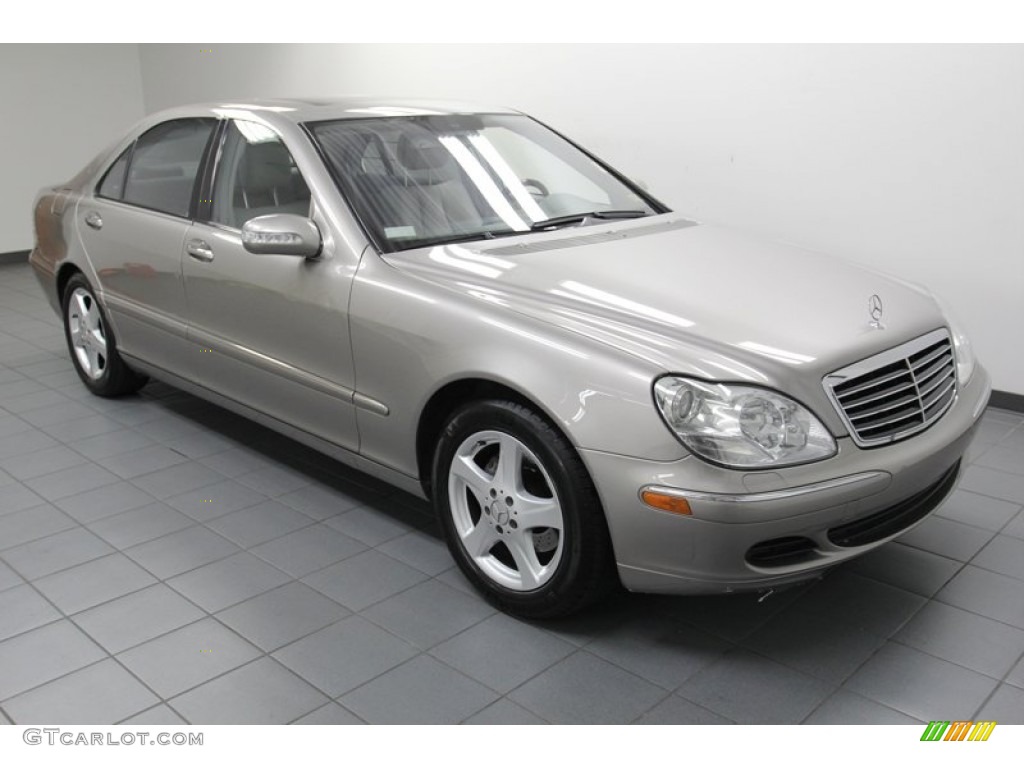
(907, 158)
(61, 104)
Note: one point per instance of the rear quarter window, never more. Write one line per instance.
(163, 168)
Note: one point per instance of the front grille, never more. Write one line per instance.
(896, 393)
(891, 521)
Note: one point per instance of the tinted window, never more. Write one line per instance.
(112, 185)
(165, 163)
(256, 175)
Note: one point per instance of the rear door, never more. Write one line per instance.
(269, 331)
(133, 229)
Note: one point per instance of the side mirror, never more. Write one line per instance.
(282, 233)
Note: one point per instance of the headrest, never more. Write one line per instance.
(426, 160)
(267, 165)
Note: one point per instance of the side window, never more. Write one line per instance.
(112, 185)
(256, 175)
(164, 165)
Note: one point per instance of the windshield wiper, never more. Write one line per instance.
(579, 218)
(406, 245)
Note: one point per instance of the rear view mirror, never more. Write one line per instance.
(282, 233)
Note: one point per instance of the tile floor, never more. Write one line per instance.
(163, 561)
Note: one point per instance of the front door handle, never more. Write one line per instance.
(94, 220)
(199, 249)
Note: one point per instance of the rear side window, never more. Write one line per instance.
(165, 163)
(112, 185)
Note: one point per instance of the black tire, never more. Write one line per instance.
(111, 377)
(575, 562)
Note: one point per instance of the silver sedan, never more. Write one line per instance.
(591, 389)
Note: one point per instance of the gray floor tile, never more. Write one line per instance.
(919, 685)
(504, 712)
(197, 445)
(237, 461)
(80, 429)
(972, 641)
(1016, 676)
(179, 552)
(989, 594)
(308, 549)
(319, 501)
(978, 510)
(44, 654)
(228, 581)
(136, 526)
(99, 694)
(255, 525)
(57, 414)
(585, 689)
(675, 710)
(1008, 486)
(751, 689)
(137, 617)
(1005, 555)
(204, 504)
(914, 570)
(364, 579)
(733, 616)
(103, 502)
(329, 714)
(665, 653)
(8, 578)
(282, 615)
(3, 719)
(344, 655)
(178, 479)
(369, 526)
(17, 497)
(158, 715)
(1003, 458)
(109, 444)
(40, 399)
(142, 461)
(1006, 706)
(1015, 527)
(71, 481)
(422, 551)
(12, 425)
(23, 442)
(262, 692)
(23, 609)
(422, 690)
(275, 481)
(948, 538)
(92, 583)
(29, 465)
(18, 528)
(502, 652)
(187, 657)
(846, 708)
(428, 613)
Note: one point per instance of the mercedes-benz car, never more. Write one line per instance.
(591, 389)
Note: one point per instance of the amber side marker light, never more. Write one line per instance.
(666, 503)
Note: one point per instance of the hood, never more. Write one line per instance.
(676, 293)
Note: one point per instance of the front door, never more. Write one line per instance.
(268, 331)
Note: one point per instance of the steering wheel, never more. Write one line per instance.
(539, 190)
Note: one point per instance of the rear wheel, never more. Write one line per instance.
(521, 516)
(92, 345)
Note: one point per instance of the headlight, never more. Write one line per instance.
(741, 426)
(962, 347)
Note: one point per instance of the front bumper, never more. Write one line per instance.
(756, 530)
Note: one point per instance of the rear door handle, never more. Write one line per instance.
(94, 220)
(199, 249)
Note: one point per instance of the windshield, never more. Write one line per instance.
(423, 180)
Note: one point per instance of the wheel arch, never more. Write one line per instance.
(451, 396)
(65, 272)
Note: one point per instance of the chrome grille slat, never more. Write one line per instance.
(896, 393)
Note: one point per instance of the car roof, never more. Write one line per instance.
(303, 110)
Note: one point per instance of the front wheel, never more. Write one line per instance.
(92, 345)
(520, 514)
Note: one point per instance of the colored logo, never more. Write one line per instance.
(958, 730)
